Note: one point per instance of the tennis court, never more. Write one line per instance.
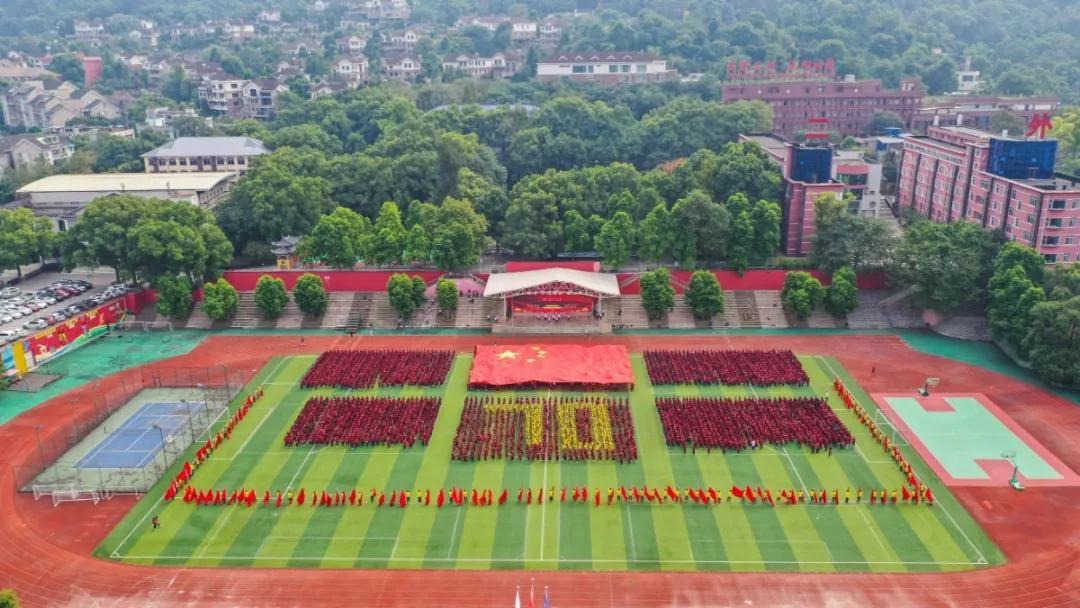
(136, 442)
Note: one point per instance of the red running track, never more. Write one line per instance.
(45, 552)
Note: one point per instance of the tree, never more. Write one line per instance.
(388, 240)
(419, 291)
(842, 296)
(147, 238)
(1053, 342)
(174, 296)
(178, 87)
(702, 226)
(23, 238)
(843, 239)
(339, 238)
(615, 240)
(417, 246)
(400, 291)
(297, 136)
(1004, 120)
(765, 217)
(801, 293)
(704, 295)
(940, 76)
(8, 599)
(1012, 297)
(656, 236)
(219, 299)
(446, 291)
(270, 296)
(310, 294)
(949, 263)
(686, 124)
(69, 68)
(884, 120)
(657, 294)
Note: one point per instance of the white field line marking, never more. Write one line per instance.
(557, 560)
(302, 537)
(982, 558)
(394, 550)
(453, 537)
(630, 525)
(299, 469)
(213, 536)
(543, 510)
(868, 461)
(348, 452)
(870, 525)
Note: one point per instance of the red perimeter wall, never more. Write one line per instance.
(375, 280)
(751, 280)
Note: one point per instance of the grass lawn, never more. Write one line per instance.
(730, 536)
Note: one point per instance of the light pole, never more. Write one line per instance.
(41, 451)
(164, 452)
(191, 424)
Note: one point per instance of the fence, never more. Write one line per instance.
(47, 468)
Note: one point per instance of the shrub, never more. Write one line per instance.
(704, 295)
(174, 297)
(446, 291)
(842, 296)
(270, 296)
(801, 293)
(310, 295)
(219, 299)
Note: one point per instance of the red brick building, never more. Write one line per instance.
(806, 174)
(848, 105)
(1005, 183)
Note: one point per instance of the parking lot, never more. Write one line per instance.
(100, 280)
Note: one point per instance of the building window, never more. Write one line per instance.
(1054, 222)
(1050, 258)
(1050, 240)
(625, 68)
(612, 68)
(579, 69)
(1056, 204)
(640, 68)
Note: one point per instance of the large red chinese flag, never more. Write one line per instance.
(551, 364)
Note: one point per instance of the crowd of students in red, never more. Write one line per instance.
(739, 424)
(368, 368)
(553, 428)
(357, 421)
(487, 497)
(189, 468)
(755, 367)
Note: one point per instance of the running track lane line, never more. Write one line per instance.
(937, 503)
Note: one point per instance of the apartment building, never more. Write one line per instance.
(401, 66)
(976, 111)
(604, 67)
(234, 97)
(50, 104)
(499, 65)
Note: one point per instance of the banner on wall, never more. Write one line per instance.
(52, 341)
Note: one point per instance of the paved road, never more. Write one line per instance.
(100, 277)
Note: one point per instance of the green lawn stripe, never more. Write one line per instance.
(508, 549)
(417, 525)
(609, 546)
(445, 535)
(672, 537)
(198, 528)
(477, 531)
(575, 527)
(638, 520)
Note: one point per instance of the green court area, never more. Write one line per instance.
(574, 536)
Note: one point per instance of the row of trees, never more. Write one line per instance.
(802, 293)
(1037, 312)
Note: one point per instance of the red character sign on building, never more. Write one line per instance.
(1039, 123)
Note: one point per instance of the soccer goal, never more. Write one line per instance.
(147, 326)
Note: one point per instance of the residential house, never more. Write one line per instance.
(27, 150)
(353, 20)
(353, 71)
(203, 154)
(604, 67)
(401, 66)
(499, 65)
(89, 30)
(402, 40)
(51, 104)
(549, 31)
(381, 11)
(353, 46)
(326, 89)
(521, 29)
(268, 16)
(161, 119)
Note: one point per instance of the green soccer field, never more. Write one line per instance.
(729, 536)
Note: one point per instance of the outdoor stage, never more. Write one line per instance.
(552, 301)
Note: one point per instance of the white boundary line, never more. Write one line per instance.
(453, 537)
(543, 510)
(870, 525)
(633, 544)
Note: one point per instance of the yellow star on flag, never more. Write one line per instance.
(507, 354)
(530, 360)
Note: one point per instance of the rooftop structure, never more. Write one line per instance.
(604, 67)
(195, 154)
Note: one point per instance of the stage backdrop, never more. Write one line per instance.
(551, 365)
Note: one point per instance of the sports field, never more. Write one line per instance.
(552, 535)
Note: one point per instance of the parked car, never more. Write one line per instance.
(73, 310)
(5, 317)
(36, 324)
(7, 335)
(45, 296)
(9, 292)
(57, 316)
(13, 313)
(24, 310)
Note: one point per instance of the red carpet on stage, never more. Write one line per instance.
(551, 365)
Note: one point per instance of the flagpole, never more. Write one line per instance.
(532, 587)
(517, 597)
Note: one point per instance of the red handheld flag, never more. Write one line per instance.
(736, 491)
(402, 500)
(442, 498)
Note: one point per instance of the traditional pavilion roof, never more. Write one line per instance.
(285, 246)
(551, 280)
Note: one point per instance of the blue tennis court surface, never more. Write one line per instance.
(136, 442)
